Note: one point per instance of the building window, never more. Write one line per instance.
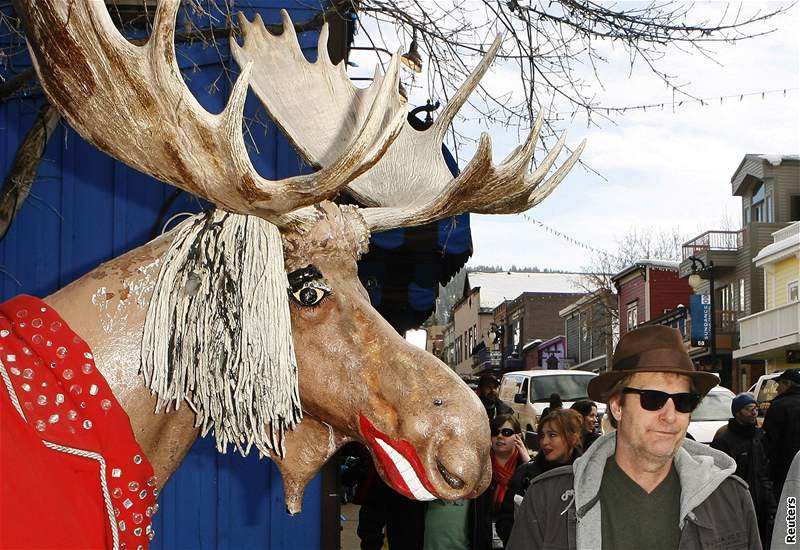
(633, 315)
(741, 295)
(794, 208)
(769, 218)
(792, 288)
(758, 209)
(724, 298)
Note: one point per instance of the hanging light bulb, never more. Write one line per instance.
(412, 58)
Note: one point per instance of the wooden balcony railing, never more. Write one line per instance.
(769, 325)
(714, 240)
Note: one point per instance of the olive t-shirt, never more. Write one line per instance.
(632, 518)
(446, 524)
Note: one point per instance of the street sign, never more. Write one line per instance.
(700, 309)
(495, 357)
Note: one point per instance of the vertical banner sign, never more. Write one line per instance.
(700, 309)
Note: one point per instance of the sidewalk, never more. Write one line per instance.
(350, 539)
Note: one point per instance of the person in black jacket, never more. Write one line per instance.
(555, 404)
(387, 515)
(559, 443)
(489, 392)
(782, 427)
(742, 440)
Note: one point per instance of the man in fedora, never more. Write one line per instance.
(645, 485)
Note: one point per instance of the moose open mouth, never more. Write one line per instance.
(399, 461)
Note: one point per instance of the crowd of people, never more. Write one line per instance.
(642, 485)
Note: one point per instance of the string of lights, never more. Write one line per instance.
(703, 101)
(564, 236)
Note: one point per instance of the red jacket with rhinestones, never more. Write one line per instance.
(72, 473)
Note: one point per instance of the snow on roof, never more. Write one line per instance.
(786, 241)
(663, 264)
(505, 285)
(775, 160)
(659, 263)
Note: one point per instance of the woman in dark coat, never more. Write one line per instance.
(508, 453)
(588, 410)
(559, 445)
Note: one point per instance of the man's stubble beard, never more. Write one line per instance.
(649, 461)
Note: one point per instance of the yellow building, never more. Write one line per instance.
(774, 334)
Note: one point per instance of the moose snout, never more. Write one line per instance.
(465, 472)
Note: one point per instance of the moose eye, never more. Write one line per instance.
(311, 294)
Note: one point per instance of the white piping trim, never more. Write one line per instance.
(69, 450)
(12, 394)
(103, 484)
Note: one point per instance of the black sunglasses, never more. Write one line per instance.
(505, 432)
(653, 400)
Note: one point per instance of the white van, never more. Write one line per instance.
(765, 390)
(711, 414)
(528, 393)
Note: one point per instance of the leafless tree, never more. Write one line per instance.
(553, 50)
(557, 48)
(546, 41)
(635, 245)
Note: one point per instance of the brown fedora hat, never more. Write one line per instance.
(655, 348)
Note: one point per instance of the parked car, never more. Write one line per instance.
(528, 393)
(711, 414)
(765, 389)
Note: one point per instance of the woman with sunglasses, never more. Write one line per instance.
(560, 434)
(507, 453)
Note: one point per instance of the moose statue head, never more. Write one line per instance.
(355, 378)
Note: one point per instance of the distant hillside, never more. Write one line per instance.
(513, 268)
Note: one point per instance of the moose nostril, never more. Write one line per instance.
(451, 480)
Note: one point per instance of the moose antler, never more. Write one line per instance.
(131, 102)
(410, 184)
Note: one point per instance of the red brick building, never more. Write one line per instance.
(648, 289)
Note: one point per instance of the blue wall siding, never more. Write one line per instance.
(86, 208)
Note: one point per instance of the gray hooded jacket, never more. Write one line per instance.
(561, 509)
(785, 533)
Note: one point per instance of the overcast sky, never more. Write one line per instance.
(662, 169)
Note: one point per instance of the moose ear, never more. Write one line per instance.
(247, 379)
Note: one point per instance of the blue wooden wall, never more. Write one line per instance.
(85, 208)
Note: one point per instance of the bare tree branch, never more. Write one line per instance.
(23, 170)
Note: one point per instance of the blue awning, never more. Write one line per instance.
(404, 267)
